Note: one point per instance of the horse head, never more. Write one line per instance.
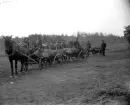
(8, 44)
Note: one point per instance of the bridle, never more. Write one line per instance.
(7, 53)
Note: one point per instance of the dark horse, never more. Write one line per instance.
(75, 50)
(16, 52)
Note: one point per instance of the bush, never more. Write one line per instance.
(127, 33)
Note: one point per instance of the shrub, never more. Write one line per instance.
(127, 33)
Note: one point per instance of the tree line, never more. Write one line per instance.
(94, 38)
(83, 37)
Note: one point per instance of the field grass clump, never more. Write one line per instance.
(114, 94)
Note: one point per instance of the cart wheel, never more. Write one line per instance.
(55, 59)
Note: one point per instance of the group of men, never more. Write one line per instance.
(77, 45)
(102, 47)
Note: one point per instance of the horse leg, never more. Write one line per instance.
(16, 62)
(59, 59)
(88, 52)
(26, 64)
(45, 61)
(77, 56)
(11, 65)
(70, 58)
(73, 56)
(22, 63)
(48, 61)
(66, 58)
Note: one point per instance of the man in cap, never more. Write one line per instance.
(103, 47)
(76, 43)
(88, 47)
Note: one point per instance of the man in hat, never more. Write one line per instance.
(88, 47)
(103, 47)
(76, 43)
(39, 42)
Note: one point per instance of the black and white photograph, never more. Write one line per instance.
(64, 52)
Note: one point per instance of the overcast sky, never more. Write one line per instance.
(24, 17)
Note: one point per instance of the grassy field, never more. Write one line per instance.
(96, 81)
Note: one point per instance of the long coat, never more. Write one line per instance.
(103, 46)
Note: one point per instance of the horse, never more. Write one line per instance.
(16, 53)
(46, 55)
(74, 50)
(55, 52)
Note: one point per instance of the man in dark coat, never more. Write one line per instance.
(63, 44)
(77, 44)
(39, 43)
(88, 47)
(103, 47)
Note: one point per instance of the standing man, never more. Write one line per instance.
(63, 44)
(103, 47)
(39, 42)
(88, 47)
(77, 44)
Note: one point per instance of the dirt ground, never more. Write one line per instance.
(97, 81)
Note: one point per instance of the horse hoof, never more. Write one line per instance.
(11, 76)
